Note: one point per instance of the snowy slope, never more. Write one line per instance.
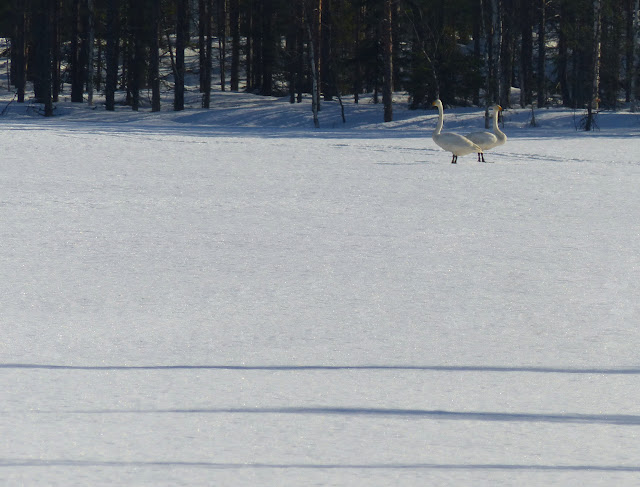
(230, 297)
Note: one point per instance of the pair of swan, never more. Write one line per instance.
(460, 145)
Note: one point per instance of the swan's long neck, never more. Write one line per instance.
(440, 119)
(496, 130)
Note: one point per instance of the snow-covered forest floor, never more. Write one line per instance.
(231, 297)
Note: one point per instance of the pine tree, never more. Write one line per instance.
(387, 42)
(595, 73)
(154, 56)
(112, 53)
(18, 46)
(182, 37)
(41, 37)
(542, 49)
(234, 27)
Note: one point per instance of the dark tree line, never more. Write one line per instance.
(581, 53)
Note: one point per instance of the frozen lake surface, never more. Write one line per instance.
(231, 298)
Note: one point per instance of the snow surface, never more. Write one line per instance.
(232, 298)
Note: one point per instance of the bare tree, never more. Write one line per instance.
(592, 106)
(208, 51)
(154, 56)
(387, 49)
(633, 58)
(526, 53)
(78, 59)
(315, 81)
(137, 65)
(542, 43)
(18, 46)
(234, 27)
(112, 54)
(55, 50)
(506, 57)
(202, 50)
(222, 42)
(182, 36)
(90, 38)
(494, 50)
(41, 31)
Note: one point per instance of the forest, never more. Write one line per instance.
(574, 53)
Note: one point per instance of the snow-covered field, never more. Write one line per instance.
(232, 298)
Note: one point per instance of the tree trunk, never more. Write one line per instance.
(542, 40)
(315, 89)
(206, 100)
(112, 54)
(222, 42)
(18, 61)
(136, 69)
(182, 36)
(526, 54)
(563, 56)
(506, 56)
(494, 50)
(203, 12)
(387, 41)
(89, 48)
(41, 30)
(256, 36)
(291, 47)
(77, 64)
(477, 55)
(595, 74)
(357, 68)
(249, 49)
(99, 64)
(55, 51)
(635, 63)
(611, 56)
(268, 48)
(326, 50)
(318, 74)
(154, 56)
(234, 26)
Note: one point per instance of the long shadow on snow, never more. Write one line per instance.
(138, 128)
(302, 368)
(568, 418)
(313, 466)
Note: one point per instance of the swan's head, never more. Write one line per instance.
(497, 108)
(437, 103)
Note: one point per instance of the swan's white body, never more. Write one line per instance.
(488, 140)
(451, 142)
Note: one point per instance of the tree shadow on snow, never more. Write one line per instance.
(302, 368)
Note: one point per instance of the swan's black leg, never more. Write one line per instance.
(482, 153)
(479, 156)
(454, 159)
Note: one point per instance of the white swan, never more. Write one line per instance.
(488, 140)
(451, 142)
